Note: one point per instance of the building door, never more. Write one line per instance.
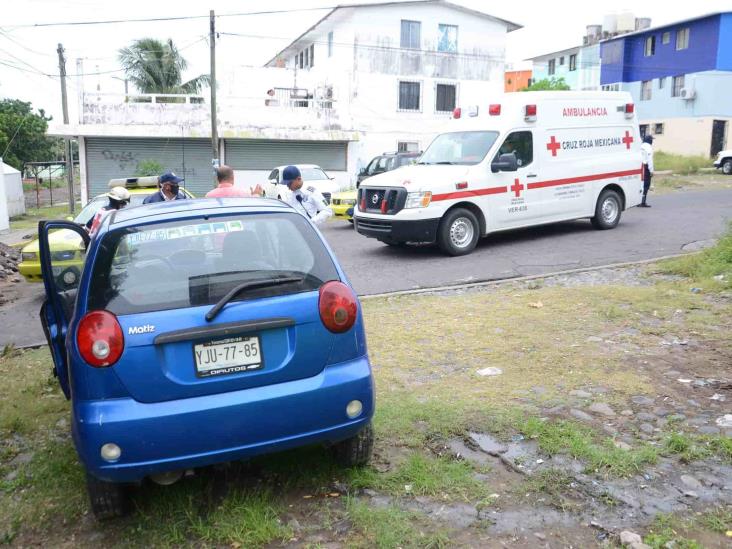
(719, 132)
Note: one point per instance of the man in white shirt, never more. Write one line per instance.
(647, 159)
(306, 200)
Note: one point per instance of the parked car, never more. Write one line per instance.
(67, 248)
(724, 162)
(343, 204)
(312, 175)
(203, 332)
(387, 162)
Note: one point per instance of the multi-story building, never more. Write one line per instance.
(363, 80)
(680, 76)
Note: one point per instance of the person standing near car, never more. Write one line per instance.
(647, 159)
(119, 197)
(226, 188)
(169, 189)
(306, 200)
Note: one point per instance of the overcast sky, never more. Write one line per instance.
(548, 26)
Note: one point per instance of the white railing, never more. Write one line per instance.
(164, 98)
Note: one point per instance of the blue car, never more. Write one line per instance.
(201, 332)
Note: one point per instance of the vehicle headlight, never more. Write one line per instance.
(418, 200)
(28, 256)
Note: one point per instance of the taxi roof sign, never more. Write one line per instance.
(134, 182)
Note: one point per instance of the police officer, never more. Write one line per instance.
(647, 160)
(169, 184)
(119, 197)
(306, 200)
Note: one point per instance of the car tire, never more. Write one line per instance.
(459, 232)
(108, 499)
(357, 450)
(727, 167)
(607, 210)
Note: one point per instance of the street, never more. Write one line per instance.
(677, 222)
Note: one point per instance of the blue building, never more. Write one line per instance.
(680, 77)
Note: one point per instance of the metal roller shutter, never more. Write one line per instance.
(108, 158)
(251, 154)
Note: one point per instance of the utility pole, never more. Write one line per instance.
(67, 140)
(214, 131)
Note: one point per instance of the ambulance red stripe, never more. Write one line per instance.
(580, 179)
(466, 194)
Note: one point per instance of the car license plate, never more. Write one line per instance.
(227, 356)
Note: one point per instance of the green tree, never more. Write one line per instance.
(23, 134)
(548, 84)
(148, 167)
(154, 66)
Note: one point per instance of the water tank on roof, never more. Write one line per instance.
(594, 33)
(642, 23)
(610, 23)
(625, 22)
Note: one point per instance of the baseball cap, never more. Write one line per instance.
(289, 174)
(119, 193)
(170, 177)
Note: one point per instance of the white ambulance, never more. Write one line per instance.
(528, 158)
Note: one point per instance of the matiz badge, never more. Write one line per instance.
(135, 330)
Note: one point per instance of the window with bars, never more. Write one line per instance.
(646, 90)
(409, 96)
(447, 40)
(445, 95)
(678, 85)
(411, 31)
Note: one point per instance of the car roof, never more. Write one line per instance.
(175, 209)
(298, 166)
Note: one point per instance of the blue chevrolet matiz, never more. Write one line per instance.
(201, 332)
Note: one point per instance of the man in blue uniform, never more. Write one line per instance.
(169, 189)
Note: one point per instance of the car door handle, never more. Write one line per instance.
(530, 175)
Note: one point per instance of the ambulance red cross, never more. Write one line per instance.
(526, 159)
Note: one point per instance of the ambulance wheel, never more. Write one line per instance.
(608, 210)
(458, 232)
(355, 451)
(108, 499)
(727, 167)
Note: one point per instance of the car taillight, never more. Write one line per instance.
(100, 340)
(338, 306)
(457, 112)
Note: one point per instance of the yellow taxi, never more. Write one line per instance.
(343, 203)
(67, 250)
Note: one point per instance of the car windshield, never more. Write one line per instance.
(93, 206)
(197, 262)
(312, 174)
(464, 148)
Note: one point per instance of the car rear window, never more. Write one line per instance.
(196, 262)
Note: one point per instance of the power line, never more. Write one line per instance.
(157, 19)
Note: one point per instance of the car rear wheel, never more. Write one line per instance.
(356, 450)
(108, 499)
(727, 167)
(459, 232)
(607, 210)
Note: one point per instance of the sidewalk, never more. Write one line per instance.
(17, 237)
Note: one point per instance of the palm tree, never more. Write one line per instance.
(156, 67)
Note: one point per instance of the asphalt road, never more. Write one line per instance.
(676, 222)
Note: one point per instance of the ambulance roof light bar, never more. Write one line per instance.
(629, 110)
(494, 110)
(530, 113)
(134, 182)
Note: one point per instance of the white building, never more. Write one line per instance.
(365, 79)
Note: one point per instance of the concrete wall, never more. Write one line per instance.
(516, 80)
(14, 191)
(4, 218)
(685, 136)
(541, 67)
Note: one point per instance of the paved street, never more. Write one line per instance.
(674, 222)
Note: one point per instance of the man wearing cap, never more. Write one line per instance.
(647, 160)
(169, 189)
(306, 200)
(119, 197)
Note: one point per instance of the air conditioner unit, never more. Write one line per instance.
(687, 93)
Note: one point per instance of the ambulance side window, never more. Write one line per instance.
(521, 144)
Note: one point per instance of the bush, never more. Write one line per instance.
(677, 163)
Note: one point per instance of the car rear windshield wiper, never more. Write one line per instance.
(445, 162)
(211, 314)
(424, 163)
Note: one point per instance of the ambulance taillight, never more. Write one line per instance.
(530, 113)
(629, 110)
(494, 110)
(457, 112)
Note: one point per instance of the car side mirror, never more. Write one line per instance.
(506, 163)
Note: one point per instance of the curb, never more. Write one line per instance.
(500, 281)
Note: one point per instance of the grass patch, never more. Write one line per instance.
(29, 220)
(420, 475)
(391, 527)
(550, 486)
(600, 455)
(677, 163)
(678, 531)
(703, 267)
(696, 447)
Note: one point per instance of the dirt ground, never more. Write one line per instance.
(548, 413)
